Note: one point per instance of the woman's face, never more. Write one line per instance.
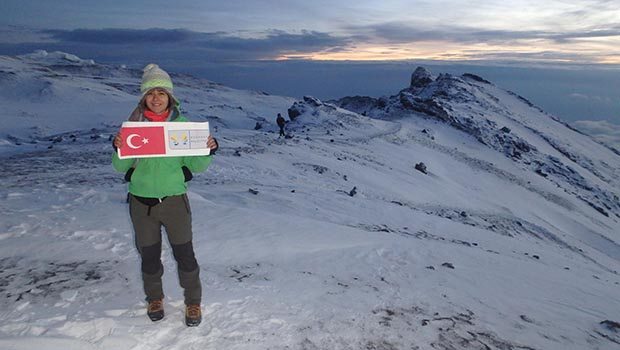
(157, 101)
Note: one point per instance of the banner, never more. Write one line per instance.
(163, 139)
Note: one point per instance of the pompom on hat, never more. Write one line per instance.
(155, 77)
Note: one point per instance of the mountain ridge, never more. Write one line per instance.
(440, 97)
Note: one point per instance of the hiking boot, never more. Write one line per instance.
(193, 315)
(155, 310)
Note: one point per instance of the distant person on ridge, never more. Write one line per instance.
(158, 197)
(281, 123)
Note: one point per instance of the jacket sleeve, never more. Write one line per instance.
(197, 164)
(121, 165)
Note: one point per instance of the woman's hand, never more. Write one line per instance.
(212, 144)
(118, 141)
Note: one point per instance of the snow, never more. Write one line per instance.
(480, 253)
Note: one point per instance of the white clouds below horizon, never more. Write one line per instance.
(601, 130)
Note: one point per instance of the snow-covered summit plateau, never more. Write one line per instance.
(451, 215)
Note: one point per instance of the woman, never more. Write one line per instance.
(158, 197)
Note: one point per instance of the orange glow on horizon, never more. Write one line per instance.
(532, 51)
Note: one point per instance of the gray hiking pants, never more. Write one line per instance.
(174, 214)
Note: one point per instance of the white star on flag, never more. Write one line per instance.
(145, 140)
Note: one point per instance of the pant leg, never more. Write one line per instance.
(147, 229)
(177, 219)
(189, 272)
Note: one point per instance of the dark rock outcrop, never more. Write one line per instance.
(421, 167)
(420, 78)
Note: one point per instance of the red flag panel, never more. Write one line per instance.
(143, 141)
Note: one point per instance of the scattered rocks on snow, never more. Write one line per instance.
(312, 167)
(611, 325)
(353, 191)
(23, 279)
(610, 331)
(421, 167)
(533, 256)
(541, 172)
(428, 134)
(526, 319)
(448, 265)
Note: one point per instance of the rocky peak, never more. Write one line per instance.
(420, 78)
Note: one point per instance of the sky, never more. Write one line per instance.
(308, 45)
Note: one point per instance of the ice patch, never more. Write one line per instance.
(69, 295)
(47, 343)
(91, 331)
(115, 313)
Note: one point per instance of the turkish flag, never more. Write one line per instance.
(142, 141)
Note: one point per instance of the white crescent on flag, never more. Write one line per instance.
(131, 145)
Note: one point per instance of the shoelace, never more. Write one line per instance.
(193, 311)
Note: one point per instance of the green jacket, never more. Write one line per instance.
(160, 177)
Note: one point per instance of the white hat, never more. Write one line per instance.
(155, 77)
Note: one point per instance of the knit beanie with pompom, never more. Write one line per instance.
(155, 77)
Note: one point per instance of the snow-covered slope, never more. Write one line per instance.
(511, 125)
(328, 239)
(44, 94)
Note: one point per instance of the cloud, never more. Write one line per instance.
(120, 36)
(384, 39)
(588, 33)
(601, 130)
(595, 98)
(213, 46)
(17, 35)
(400, 32)
(530, 57)
(397, 32)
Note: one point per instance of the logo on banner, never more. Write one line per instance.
(143, 141)
(188, 139)
(179, 139)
